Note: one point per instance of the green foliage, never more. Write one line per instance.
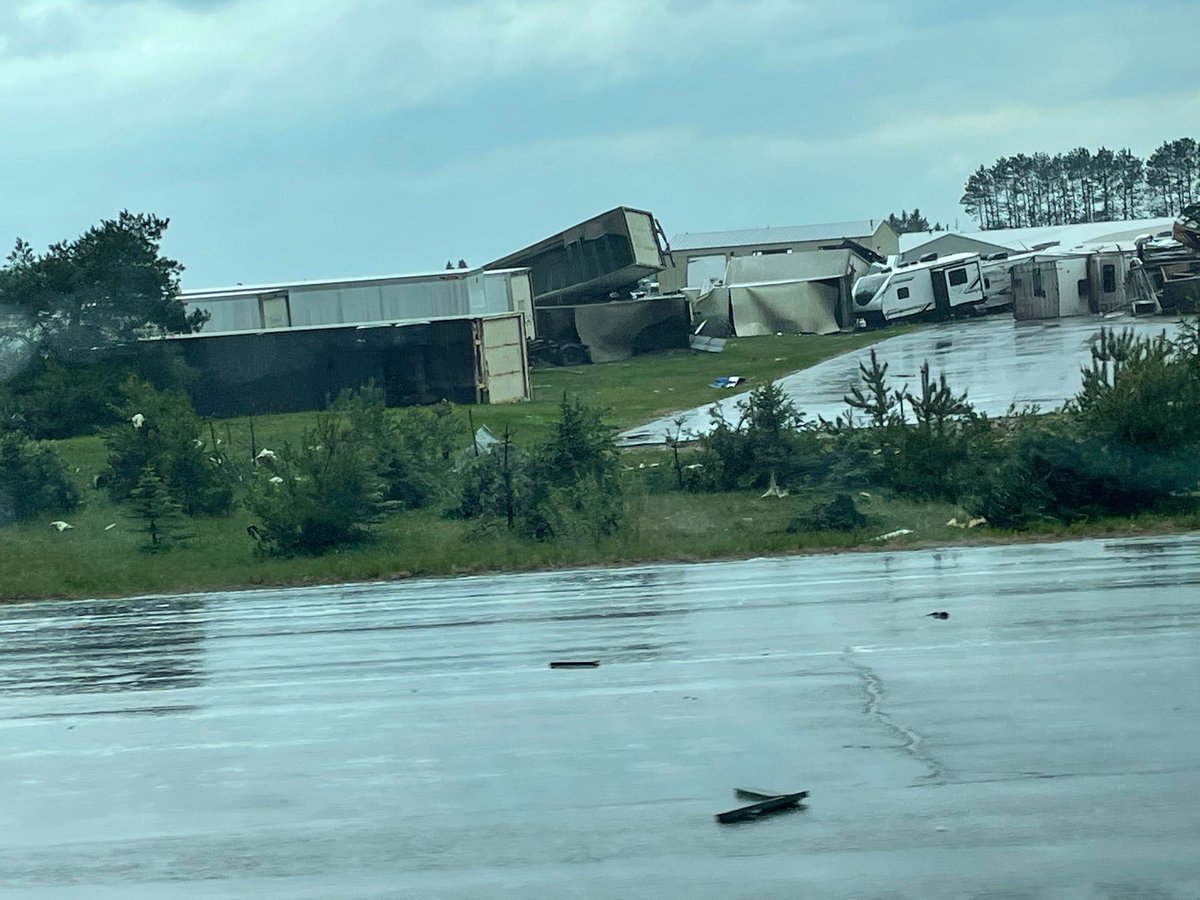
(1126, 444)
(413, 447)
(574, 479)
(770, 438)
(107, 287)
(159, 513)
(908, 222)
(1142, 391)
(878, 401)
(836, 514)
(494, 484)
(53, 398)
(320, 496)
(33, 480)
(159, 429)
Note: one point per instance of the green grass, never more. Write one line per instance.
(93, 559)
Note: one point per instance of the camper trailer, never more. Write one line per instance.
(949, 286)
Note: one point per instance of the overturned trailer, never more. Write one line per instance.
(942, 287)
(591, 287)
(463, 359)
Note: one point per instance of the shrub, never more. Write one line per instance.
(160, 430)
(322, 495)
(769, 439)
(837, 514)
(574, 483)
(413, 448)
(53, 399)
(33, 480)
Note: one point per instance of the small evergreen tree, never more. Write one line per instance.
(322, 495)
(769, 439)
(159, 429)
(574, 479)
(159, 513)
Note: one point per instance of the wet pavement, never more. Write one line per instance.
(997, 361)
(409, 740)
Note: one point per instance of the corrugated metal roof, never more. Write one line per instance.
(787, 234)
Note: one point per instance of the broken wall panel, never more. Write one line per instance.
(617, 331)
(797, 308)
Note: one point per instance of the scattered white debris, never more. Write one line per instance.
(138, 420)
(774, 490)
(899, 532)
(264, 453)
(976, 522)
(275, 479)
(954, 523)
(60, 526)
(110, 527)
(197, 443)
(864, 494)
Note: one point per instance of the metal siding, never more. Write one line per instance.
(240, 314)
(316, 307)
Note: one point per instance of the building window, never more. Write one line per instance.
(1038, 290)
(901, 293)
(957, 277)
(1110, 279)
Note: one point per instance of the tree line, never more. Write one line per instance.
(1083, 186)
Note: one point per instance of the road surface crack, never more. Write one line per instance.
(911, 741)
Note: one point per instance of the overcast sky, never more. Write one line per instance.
(292, 139)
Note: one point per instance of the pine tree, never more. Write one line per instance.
(160, 515)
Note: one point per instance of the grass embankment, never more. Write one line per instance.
(93, 559)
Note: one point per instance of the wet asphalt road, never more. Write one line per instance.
(997, 361)
(409, 740)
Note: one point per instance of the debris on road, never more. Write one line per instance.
(942, 614)
(727, 381)
(899, 532)
(767, 805)
(575, 664)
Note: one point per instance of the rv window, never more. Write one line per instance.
(901, 293)
(1110, 279)
(771, 252)
(957, 277)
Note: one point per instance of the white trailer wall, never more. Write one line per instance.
(438, 296)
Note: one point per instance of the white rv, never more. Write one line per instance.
(951, 285)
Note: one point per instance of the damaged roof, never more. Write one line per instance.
(787, 234)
